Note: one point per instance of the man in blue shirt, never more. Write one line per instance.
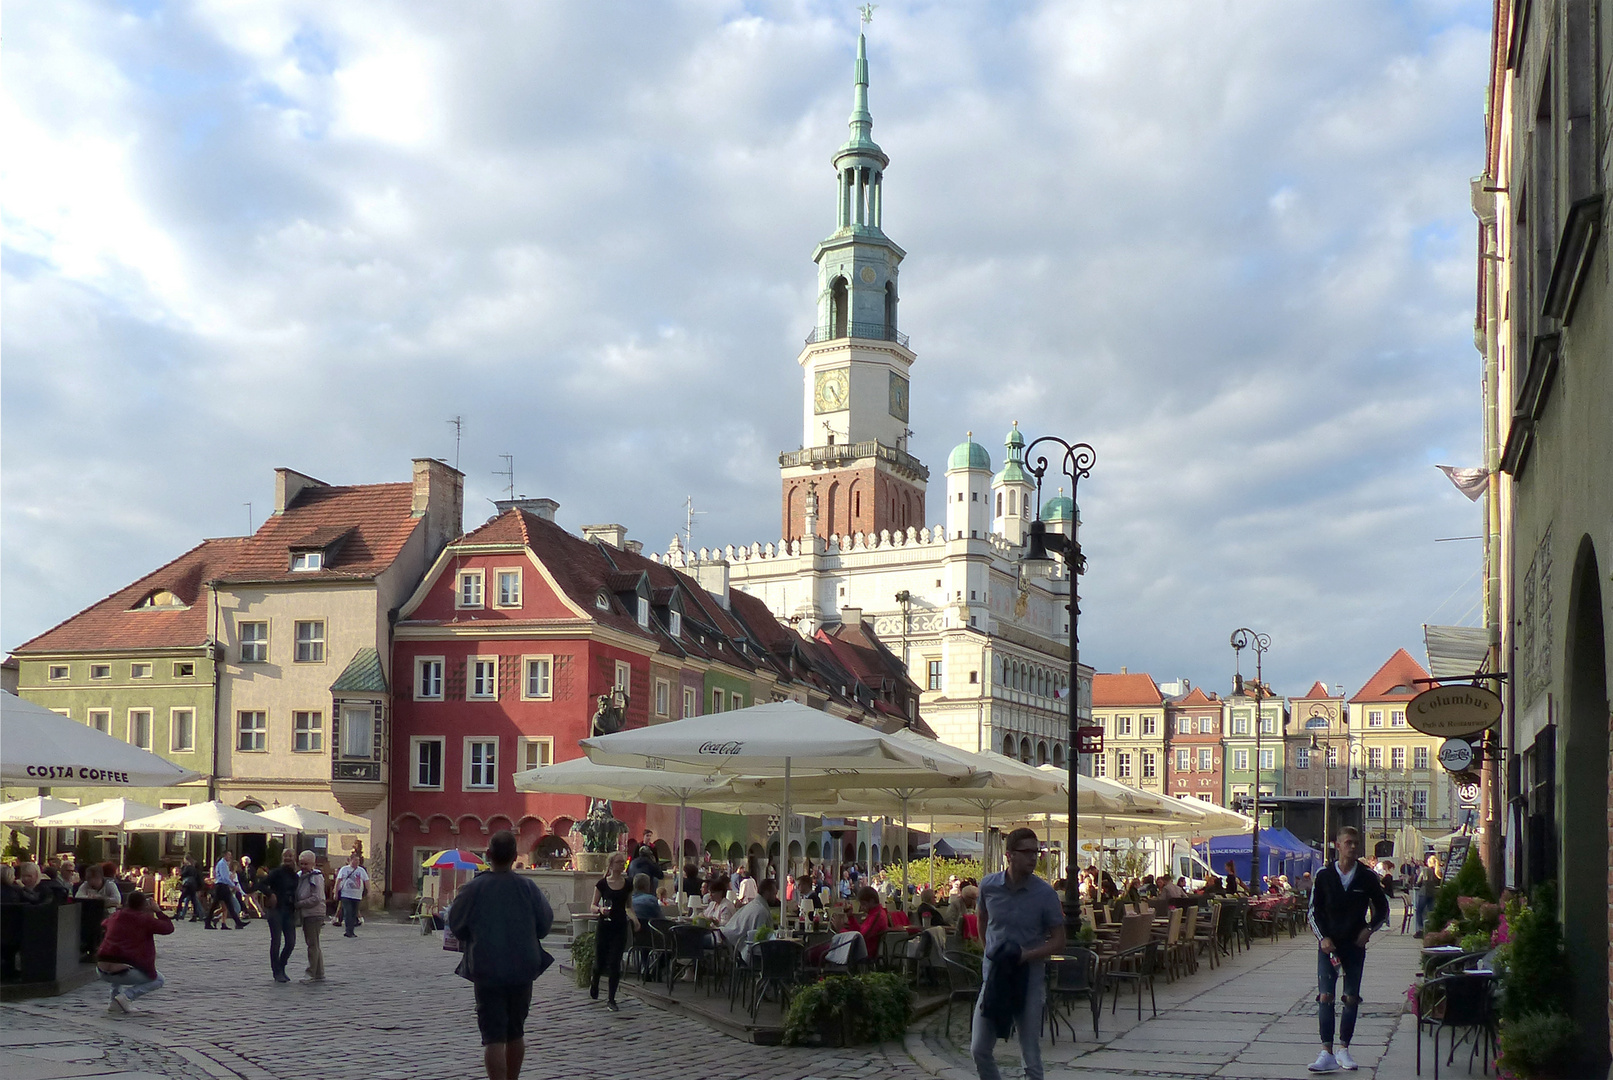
(1022, 923)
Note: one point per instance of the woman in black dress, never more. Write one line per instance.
(615, 915)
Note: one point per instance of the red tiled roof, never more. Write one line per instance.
(1395, 681)
(377, 519)
(509, 527)
(1317, 692)
(116, 624)
(1197, 696)
(1111, 690)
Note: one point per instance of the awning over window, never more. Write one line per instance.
(1456, 651)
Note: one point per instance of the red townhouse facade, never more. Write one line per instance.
(1196, 759)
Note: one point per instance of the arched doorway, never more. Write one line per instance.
(663, 852)
(1585, 796)
(256, 845)
(691, 850)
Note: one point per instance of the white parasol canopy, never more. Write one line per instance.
(40, 747)
(107, 814)
(27, 811)
(207, 817)
(294, 818)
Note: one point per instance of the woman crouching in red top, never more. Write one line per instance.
(128, 955)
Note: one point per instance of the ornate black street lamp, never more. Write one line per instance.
(1245, 638)
(1075, 463)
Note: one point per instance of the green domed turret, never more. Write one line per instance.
(1058, 509)
(969, 455)
(1013, 468)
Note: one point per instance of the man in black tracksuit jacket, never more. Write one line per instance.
(1347, 905)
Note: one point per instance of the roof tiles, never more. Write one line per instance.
(1111, 690)
(1395, 681)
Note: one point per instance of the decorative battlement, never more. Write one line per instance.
(885, 540)
(844, 454)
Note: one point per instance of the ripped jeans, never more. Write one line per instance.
(1352, 959)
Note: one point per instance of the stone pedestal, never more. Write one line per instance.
(40, 945)
(564, 887)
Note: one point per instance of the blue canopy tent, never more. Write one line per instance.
(1281, 852)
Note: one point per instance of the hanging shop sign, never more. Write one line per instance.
(1454, 711)
(1456, 755)
(1089, 740)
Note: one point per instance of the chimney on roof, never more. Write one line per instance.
(288, 484)
(851, 616)
(635, 547)
(614, 535)
(713, 577)
(538, 508)
(439, 498)
(1122, 669)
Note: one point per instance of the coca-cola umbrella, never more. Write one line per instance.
(781, 738)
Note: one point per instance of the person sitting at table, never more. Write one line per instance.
(808, 899)
(1212, 886)
(867, 917)
(969, 921)
(928, 911)
(1173, 892)
(719, 909)
(740, 931)
(747, 893)
(645, 904)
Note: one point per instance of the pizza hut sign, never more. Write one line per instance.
(1454, 711)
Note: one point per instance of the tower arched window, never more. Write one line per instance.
(890, 310)
(1008, 746)
(1011, 505)
(839, 305)
(999, 504)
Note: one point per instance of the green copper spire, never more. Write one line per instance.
(862, 121)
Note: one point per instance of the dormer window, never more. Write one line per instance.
(644, 612)
(307, 560)
(674, 623)
(602, 601)
(161, 598)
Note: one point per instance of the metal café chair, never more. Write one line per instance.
(963, 980)
(1460, 1002)
(691, 946)
(777, 965)
(1073, 976)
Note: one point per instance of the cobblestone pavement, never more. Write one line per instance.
(1252, 1017)
(390, 1009)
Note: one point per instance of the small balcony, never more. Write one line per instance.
(867, 330)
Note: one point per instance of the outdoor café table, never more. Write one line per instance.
(1434, 955)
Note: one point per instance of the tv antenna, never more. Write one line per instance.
(508, 472)
(459, 429)
(689, 514)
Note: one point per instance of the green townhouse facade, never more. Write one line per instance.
(1247, 756)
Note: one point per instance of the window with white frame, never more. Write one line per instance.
(428, 678)
(1184, 725)
(58, 672)
(254, 642)
(1374, 757)
(1374, 718)
(252, 731)
(1419, 757)
(602, 601)
(181, 730)
(533, 752)
(307, 731)
(1397, 757)
(1240, 760)
(1301, 793)
(1240, 723)
(1100, 766)
(644, 612)
(426, 754)
(1122, 766)
(691, 701)
(716, 701)
(1419, 802)
(100, 671)
(140, 728)
(1268, 759)
(310, 642)
(101, 720)
(1206, 798)
(1397, 807)
(184, 669)
(1332, 756)
(1206, 725)
(1374, 803)
(933, 669)
(139, 670)
(307, 560)
(1268, 723)
(674, 622)
(358, 732)
(537, 683)
(1122, 725)
(483, 678)
(470, 589)
(1302, 757)
(1150, 768)
(481, 764)
(1397, 718)
(663, 697)
(1149, 724)
(1206, 759)
(1184, 760)
(624, 677)
(509, 587)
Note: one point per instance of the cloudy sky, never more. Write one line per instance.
(1227, 243)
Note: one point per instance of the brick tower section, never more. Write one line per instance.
(852, 500)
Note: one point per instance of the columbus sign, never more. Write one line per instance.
(1454, 711)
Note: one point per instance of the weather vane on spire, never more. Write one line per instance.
(867, 13)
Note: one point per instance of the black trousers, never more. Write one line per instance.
(282, 922)
(609, 944)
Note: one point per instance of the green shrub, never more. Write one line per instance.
(1537, 967)
(1539, 1046)
(15, 845)
(918, 872)
(1470, 881)
(582, 959)
(850, 1010)
(1475, 942)
(142, 850)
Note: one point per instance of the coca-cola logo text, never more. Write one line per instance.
(722, 749)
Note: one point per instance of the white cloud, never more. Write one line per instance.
(1227, 243)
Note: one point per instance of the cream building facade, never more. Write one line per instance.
(1131, 712)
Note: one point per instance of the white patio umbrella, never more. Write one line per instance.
(209, 817)
(782, 738)
(300, 819)
(39, 747)
(107, 814)
(27, 811)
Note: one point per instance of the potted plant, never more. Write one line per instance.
(599, 832)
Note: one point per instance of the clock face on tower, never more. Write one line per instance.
(898, 397)
(832, 391)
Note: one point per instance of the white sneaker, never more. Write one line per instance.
(120, 1004)
(1325, 1062)
(1345, 1060)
